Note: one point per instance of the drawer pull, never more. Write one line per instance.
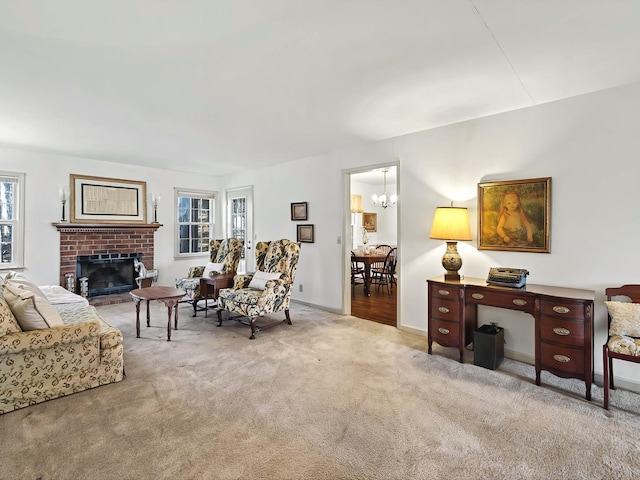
(477, 296)
(444, 331)
(519, 302)
(559, 309)
(561, 331)
(443, 309)
(443, 292)
(561, 358)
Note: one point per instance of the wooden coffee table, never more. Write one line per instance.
(209, 286)
(167, 295)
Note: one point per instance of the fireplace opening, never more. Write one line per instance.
(108, 273)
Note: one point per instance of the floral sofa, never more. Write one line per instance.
(81, 352)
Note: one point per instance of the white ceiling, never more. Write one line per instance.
(219, 86)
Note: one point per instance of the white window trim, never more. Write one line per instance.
(187, 192)
(18, 222)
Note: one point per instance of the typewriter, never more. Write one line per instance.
(508, 277)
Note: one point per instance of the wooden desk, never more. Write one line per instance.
(167, 295)
(209, 286)
(563, 321)
(368, 260)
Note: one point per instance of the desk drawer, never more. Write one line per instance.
(559, 330)
(562, 309)
(513, 299)
(445, 309)
(564, 360)
(445, 292)
(445, 333)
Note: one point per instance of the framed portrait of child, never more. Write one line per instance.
(515, 215)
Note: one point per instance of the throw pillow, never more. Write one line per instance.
(213, 268)
(25, 284)
(31, 311)
(260, 279)
(625, 318)
(8, 322)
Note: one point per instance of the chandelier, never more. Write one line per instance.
(384, 200)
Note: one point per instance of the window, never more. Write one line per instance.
(11, 223)
(239, 220)
(195, 211)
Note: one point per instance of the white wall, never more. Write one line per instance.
(588, 145)
(45, 173)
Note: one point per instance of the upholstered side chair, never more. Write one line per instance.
(267, 290)
(623, 342)
(224, 256)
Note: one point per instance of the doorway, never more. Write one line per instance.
(240, 223)
(378, 225)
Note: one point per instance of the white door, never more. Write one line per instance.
(240, 224)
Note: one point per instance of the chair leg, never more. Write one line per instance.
(613, 387)
(219, 317)
(606, 363)
(286, 314)
(253, 328)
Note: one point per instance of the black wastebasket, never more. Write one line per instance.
(488, 346)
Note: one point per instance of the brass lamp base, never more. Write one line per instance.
(452, 262)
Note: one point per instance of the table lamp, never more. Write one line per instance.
(452, 225)
(356, 204)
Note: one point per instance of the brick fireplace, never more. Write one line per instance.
(78, 239)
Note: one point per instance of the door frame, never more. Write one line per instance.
(346, 251)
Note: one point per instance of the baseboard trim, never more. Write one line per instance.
(337, 311)
(520, 357)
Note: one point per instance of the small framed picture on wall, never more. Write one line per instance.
(299, 211)
(305, 234)
(370, 222)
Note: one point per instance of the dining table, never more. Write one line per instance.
(367, 259)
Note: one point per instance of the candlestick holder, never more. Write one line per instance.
(63, 200)
(155, 200)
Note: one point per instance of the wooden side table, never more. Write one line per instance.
(167, 295)
(209, 286)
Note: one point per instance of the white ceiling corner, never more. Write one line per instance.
(226, 85)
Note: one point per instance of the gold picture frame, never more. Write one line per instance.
(370, 222)
(515, 215)
(107, 200)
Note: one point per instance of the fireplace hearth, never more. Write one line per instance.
(108, 273)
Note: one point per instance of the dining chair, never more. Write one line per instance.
(380, 250)
(357, 270)
(385, 275)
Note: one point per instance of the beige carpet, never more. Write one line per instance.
(329, 397)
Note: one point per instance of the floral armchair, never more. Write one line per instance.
(267, 290)
(225, 252)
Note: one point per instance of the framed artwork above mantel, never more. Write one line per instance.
(107, 200)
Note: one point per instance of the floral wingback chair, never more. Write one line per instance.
(267, 290)
(225, 253)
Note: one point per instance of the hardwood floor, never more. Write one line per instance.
(379, 307)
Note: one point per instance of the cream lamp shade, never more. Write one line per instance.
(452, 225)
(356, 204)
